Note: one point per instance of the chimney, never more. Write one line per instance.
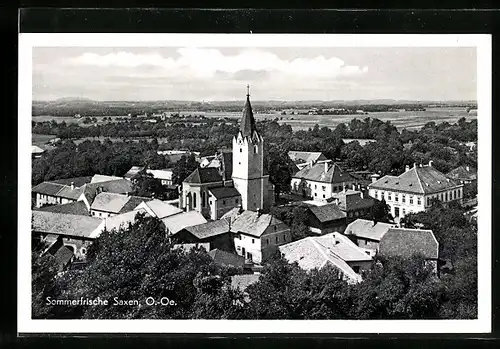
(374, 177)
(343, 187)
(414, 164)
(467, 168)
(311, 163)
(407, 168)
(259, 212)
(73, 185)
(326, 166)
(430, 163)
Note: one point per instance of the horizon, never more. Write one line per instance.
(274, 73)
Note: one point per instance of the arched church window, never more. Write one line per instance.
(203, 199)
(194, 200)
(241, 150)
(256, 149)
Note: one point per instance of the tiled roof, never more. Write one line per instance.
(305, 156)
(65, 224)
(407, 242)
(36, 150)
(133, 202)
(250, 222)
(351, 200)
(180, 221)
(116, 203)
(368, 229)
(209, 229)
(162, 209)
(327, 213)
(133, 171)
(77, 181)
(317, 173)
(68, 193)
(103, 178)
(227, 258)
(247, 124)
(122, 220)
(119, 186)
(204, 175)
(420, 180)
(224, 192)
(463, 173)
(165, 174)
(77, 207)
(333, 248)
(47, 188)
(62, 256)
(241, 282)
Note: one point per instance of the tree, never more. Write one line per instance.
(183, 168)
(43, 273)
(381, 212)
(280, 170)
(146, 185)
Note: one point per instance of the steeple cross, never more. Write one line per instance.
(248, 90)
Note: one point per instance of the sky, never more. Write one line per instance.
(215, 74)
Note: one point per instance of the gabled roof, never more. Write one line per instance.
(227, 258)
(180, 221)
(204, 175)
(241, 282)
(327, 213)
(64, 224)
(305, 156)
(224, 192)
(162, 209)
(317, 173)
(77, 207)
(250, 222)
(119, 186)
(364, 228)
(63, 256)
(103, 178)
(133, 202)
(165, 174)
(116, 203)
(407, 242)
(350, 200)
(77, 181)
(122, 220)
(333, 248)
(464, 173)
(68, 193)
(209, 229)
(36, 150)
(133, 171)
(418, 179)
(57, 190)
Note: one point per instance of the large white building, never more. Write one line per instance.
(413, 190)
(241, 180)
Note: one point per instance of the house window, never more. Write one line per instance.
(411, 200)
(275, 228)
(223, 202)
(241, 150)
(83, 250)
(256, 149)
(389, 197)
(284, 237)
(315, 186)
(404, 211)
(203, 204)
(396, 197)
(403, 198)
(324, 188)
(323, 196)
(428, 201)
(210, 202)
(315, 194)
(194, 200)
(100, 214)
(419, 201)
(277, 239)
(93, 213)
(253, 241)
(236, 201)
(267, 241)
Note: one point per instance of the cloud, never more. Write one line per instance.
(205, 63)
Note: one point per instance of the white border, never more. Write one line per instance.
(480, 41)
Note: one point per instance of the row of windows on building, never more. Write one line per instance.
(57, 199)
(335, 188)
(268, 240)
(447, 196)
(255, 149)
(204, 201)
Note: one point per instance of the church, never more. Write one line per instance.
(239, 180)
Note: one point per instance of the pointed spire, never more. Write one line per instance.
(247, 125)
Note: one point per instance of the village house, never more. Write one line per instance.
(332, 249)
(164, 176)
(36, 152)
(302, 159)
(326, 219)
(177, 222)
(159, 209)
(91, 190)
(215, 233)
(413, 190)
(256, 235)
(77, 207)
(463, 174)
(353, 203)
(73, 231)
(110, 204)
(53, 193)
(367, 234)
(321, 181)
(398, 242)
(227, 259)
(240, 179)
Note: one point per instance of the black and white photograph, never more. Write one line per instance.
(233, 179)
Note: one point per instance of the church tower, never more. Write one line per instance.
(248, 163)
